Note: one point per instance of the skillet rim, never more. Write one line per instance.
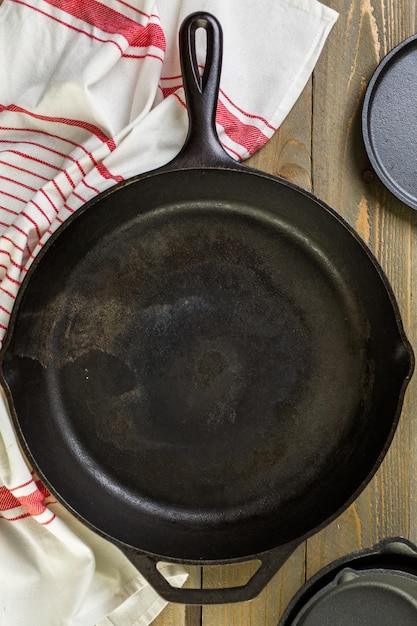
(311, 198)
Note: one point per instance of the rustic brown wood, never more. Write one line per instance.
(178, 614)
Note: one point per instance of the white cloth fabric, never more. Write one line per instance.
(90, 94)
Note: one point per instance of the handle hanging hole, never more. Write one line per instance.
(201, 47)
(200, 54)
(231, 575)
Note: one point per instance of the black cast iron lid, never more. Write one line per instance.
(373, 587)
(371, 598)
(389, 121)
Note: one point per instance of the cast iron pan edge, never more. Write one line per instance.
(202, 150)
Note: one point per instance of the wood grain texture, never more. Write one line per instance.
(179, 614)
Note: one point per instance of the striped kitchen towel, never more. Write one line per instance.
(91, 94)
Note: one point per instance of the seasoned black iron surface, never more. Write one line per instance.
(214, 373)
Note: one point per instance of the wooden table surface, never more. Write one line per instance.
(320, 147)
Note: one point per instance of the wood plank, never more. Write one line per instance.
(268, 607)
(342, 176)
(180, 614)
(288, 155)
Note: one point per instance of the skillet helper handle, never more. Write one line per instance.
(270, 563)
(202, 146)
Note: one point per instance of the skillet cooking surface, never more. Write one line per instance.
(204, 352)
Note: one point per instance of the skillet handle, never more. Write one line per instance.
(271, 562)
(202, 146)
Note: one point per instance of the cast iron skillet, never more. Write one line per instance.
(206, 363)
